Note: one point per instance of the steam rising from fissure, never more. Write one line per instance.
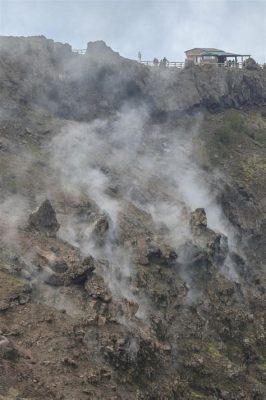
(127, 159)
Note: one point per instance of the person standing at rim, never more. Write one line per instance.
(139, 56)
(165, 61)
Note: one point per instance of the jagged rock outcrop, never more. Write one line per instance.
(100, 229)
(44, 219)
(65, 268)
(198, 221)
(251, 64)
(100, 53)
(55, 262)
(205, 253)
(96, 288)
(138, 234)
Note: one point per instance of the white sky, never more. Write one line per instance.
(157, 28)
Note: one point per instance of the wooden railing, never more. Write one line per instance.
(229, 65)
(177, 64)
(180, 64)
(79, 51)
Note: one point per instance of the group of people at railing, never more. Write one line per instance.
(228, 63)
(163, 63)
(233, 64)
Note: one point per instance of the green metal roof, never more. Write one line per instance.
(223, 53)
(210, 51)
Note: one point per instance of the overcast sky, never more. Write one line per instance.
(156, 28)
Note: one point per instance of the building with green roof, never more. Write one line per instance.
(200, 55)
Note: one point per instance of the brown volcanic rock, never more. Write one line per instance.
(101, 228)
(44, 219)
(198, 221)
(64, 270)
(139, 235)
(7, 349)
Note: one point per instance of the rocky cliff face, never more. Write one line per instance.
(40, 71)
(132, 256)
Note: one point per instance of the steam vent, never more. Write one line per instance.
(142, 274)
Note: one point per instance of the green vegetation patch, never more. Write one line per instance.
(213, 351)
(262, 366)
(196, 395)
(254, 166)
(232, 128)
(9, 285)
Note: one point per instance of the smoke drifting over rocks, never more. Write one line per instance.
(141, 267)
(126, 161)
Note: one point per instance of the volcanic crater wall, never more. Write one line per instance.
(36, 70)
